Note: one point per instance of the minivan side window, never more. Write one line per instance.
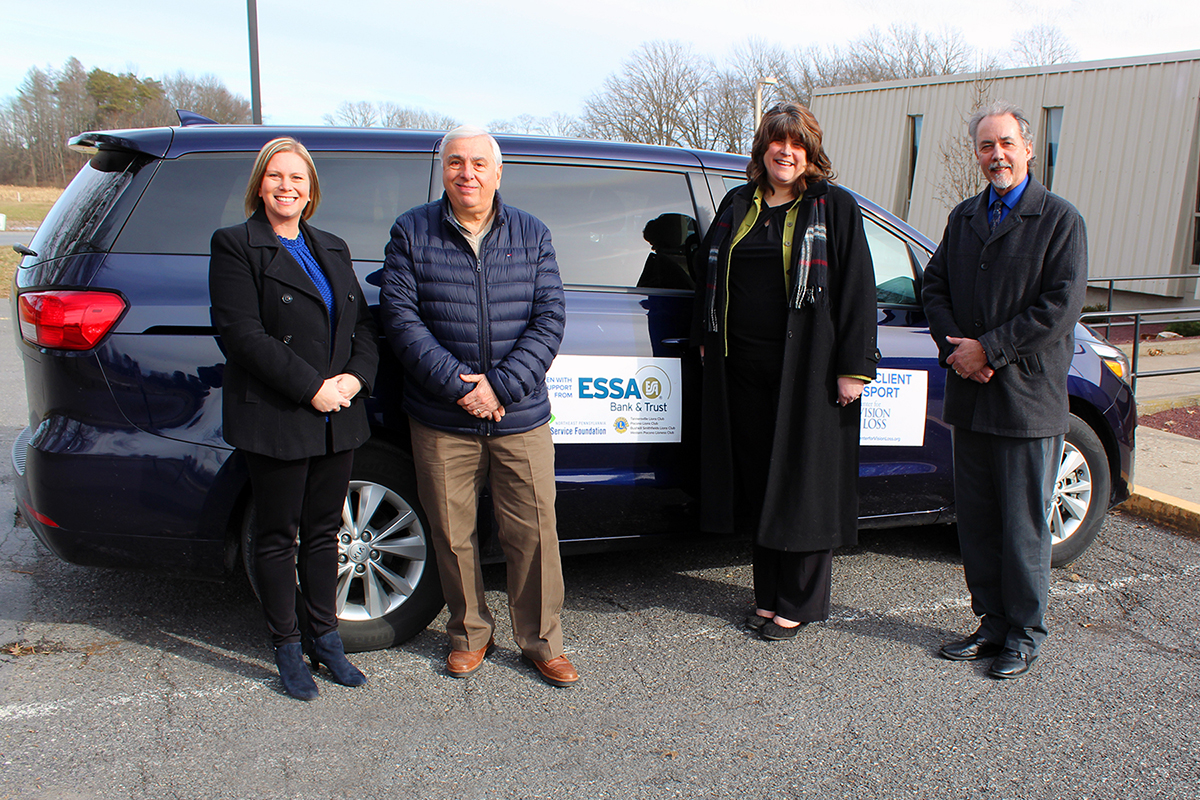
(610, 226)
(893, 260)
(363, 193)
(194, 195)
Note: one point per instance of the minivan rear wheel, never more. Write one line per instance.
(388, 589)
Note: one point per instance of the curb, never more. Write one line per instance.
(1182, 515)
(1148, 407)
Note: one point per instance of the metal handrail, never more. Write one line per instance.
(1111, 281)
(1137, 315)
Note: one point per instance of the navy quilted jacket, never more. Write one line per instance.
(447, 313)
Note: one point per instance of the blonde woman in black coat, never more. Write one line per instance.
(301, 354)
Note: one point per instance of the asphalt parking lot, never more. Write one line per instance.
(117, 684)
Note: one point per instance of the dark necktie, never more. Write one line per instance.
(994, 215)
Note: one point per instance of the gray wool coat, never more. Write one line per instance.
(1019, 292)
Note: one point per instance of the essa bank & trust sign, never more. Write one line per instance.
(598, 399)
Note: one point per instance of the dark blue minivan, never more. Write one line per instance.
(123, 464)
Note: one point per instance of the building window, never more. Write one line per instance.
(1196, 231)
(1052, 134)
(914, 139)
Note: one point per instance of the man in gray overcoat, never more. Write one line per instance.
(1003, 293)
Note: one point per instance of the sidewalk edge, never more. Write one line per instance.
(1164, 509)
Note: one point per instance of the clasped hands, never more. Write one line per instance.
(481, 401)
(969, 360)
(336, 393)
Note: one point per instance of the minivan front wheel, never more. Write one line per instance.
(388, 588)
(1081, 491)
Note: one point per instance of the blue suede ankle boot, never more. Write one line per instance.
(328, 650)
(293, 673)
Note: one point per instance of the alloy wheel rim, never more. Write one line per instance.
(1072, 495)
(381, 552)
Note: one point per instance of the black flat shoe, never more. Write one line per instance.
(777, 633)
(1011, 664)
(972, 648)
(755, 623)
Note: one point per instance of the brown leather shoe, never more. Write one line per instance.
(462, 663)
(557, 671)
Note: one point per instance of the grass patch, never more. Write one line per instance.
(1185, 328)
(26, 206)
(9, 259)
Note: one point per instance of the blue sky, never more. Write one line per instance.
(480, 61)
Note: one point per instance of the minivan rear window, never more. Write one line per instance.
(194, 195)
(86, 217)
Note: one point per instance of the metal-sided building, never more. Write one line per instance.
(1120, 139)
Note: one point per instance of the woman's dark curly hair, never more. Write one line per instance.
(789, 121)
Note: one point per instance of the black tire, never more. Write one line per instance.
(1081, 494)
(388, 587)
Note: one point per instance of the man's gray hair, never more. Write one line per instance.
(470, 132)
(1000, 108)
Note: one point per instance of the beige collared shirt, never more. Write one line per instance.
(475, 239)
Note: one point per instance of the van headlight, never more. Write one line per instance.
(1114, 358)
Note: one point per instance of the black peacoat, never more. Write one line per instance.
(275, 332)
(812, 489)
(1019, 292)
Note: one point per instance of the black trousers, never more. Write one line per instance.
(795, 586)
(1002, 490)
(298, 501)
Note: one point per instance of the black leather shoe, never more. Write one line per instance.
(1011, 664)
(972, 648)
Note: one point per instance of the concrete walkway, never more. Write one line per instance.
(1166, 466)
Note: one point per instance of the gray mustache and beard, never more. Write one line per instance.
(999, 176)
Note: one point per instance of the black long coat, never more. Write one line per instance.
(275, 332)
(811, 499)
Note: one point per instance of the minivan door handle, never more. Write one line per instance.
(683, 342)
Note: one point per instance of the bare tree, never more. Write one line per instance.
(656, 98)
(731, 94)
(354, 115)
(901, 51)
(1042, 45)
(206, 95)
(365, 114)
(557, 124)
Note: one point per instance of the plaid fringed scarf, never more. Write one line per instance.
(812, 264)
(814, 254)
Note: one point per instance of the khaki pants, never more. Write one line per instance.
(452, 469)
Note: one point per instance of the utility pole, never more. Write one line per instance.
(255, 99)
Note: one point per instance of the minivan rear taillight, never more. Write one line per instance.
(66, 319)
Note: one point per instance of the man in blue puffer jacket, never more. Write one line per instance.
(473, 306)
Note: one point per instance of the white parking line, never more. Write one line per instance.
(1059, 589)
